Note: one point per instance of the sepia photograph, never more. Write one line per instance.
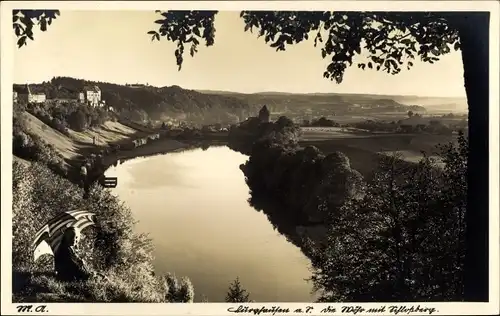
(248, 153)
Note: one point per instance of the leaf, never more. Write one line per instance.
(192, 50)
(14, 18)
(393, 63)
(370, 65)
(406, 41)
(160, 21)
(456, 46)
(410, 64)
(247, 27)
(21, 41)
(17, 30)
(157, 36)
(43, 25)
(196, 31)
(152, 32)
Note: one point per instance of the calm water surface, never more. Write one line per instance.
(194, 206)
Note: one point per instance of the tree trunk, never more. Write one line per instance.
(473, 29)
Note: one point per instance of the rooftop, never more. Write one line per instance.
(91, 88)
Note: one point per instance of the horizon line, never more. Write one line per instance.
(201, 90)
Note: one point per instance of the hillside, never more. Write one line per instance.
(65, 146)
(72, 146)
(282, 101)
(143, 103)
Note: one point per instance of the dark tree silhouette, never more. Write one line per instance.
(264, 114)
(410, 113)
(393, 40)
(236, 293)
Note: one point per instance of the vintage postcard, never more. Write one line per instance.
(250, 157)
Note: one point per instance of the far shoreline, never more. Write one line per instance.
(160, 146)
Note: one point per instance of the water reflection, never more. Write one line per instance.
(194, 205)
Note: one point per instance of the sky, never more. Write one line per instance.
(112, 46)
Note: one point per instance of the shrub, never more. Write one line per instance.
(58, 125)
(178, 292)
(404, 241)
(31, 147)
(38, 195)
(236, 293)
(112, 247)
(78, 120)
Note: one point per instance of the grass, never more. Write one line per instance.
(108, 133)
(73, 148)
(113, 249)
(61, 143)
(80, 143)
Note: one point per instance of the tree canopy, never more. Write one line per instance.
(392, 40)
(236, 293)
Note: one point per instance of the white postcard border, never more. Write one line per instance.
(7, 49)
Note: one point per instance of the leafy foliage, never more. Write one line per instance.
(308, 184)
(111, 248)
(399, 237)
(186, 28)
(23, 22)
(28, 145)
(178, 292)
(392, 40)
(404, 241)
(236, 293)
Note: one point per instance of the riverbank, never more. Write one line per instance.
(162, 145)
(103, 146)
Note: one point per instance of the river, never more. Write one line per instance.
(193, 204)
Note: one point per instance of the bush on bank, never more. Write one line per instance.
(111, 248)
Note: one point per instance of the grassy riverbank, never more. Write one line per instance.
(42, 188)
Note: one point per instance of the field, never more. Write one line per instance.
(364, 148)
(107, 133)
(280, 102)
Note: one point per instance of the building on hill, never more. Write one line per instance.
(30, 94)
(91, 95)
(264, 114)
